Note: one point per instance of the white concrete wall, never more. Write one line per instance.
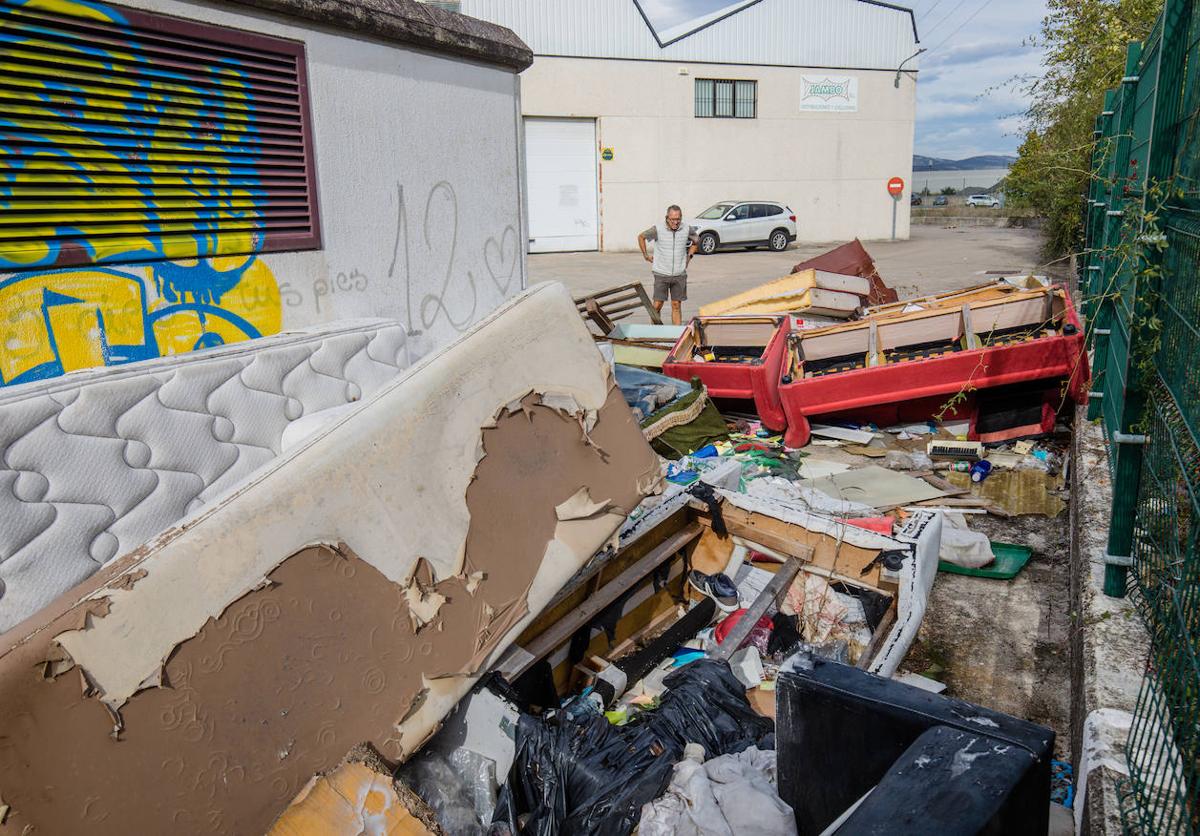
(831, 168)
(419, 180)
(417, 171)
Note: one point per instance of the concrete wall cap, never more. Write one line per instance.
(411, 23)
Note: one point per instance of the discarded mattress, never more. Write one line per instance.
(735, 357)
(97, 462)
(817, 292)
(852, 259)
(350, 592)
(891, 358)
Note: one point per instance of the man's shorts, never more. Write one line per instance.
(674, 286)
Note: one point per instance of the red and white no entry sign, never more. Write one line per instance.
(895, 186)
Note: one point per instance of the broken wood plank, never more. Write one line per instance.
(519, 659)
(881, 633)
(772, 592)
(948, 488)
(793, 540)
(979, 502)
(747, 530)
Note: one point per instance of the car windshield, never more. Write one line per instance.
(713, 213)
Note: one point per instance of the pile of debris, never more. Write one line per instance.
(532, 587)
(650, 694)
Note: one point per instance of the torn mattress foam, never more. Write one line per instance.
(349, 593)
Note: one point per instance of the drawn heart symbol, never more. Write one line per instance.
(495, 256)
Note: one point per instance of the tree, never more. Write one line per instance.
(949, 190)
(1084, 43)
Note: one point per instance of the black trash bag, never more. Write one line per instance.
(588, 776)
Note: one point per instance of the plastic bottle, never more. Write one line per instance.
(980, 470)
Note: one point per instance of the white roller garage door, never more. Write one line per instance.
(560, 164)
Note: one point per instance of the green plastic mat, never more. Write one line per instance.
(1010, 559)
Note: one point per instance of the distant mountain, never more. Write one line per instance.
(921, 163)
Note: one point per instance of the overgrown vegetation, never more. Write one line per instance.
(1084, 43)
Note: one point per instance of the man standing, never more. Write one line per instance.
(674, 246)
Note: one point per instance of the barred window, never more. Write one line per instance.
(131, 136)
(704, 97)
(726, 98)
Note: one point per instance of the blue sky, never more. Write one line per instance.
(964, 106)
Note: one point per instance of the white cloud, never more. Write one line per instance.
(966, 103)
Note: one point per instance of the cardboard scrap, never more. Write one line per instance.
(869, 452)
(842, 433)
(1001, 459)
(762, 699)
(875, 486)
(812, 468)
(1016, 491)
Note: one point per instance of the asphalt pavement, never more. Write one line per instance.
(932, 260)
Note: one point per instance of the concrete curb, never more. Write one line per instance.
(1109, 643)
(975, 220)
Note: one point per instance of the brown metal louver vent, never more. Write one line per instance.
(128, 136)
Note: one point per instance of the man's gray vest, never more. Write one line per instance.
(670, 250)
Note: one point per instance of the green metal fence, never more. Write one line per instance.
(1140, 276)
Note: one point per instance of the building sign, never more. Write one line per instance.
(607, 155)
(829, 94)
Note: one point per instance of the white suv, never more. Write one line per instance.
(749, 224)
(983, 200)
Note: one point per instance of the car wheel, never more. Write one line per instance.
(779, 241)
(708, 243)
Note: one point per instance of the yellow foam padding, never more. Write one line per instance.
(791, 293)
(351, 799)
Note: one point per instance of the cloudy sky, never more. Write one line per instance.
(964, 104)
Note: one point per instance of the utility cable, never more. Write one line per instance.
(957, 29)
(951, 14)
(925, 14)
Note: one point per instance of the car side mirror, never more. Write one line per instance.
(731, 217)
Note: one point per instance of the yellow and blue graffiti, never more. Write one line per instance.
(116, 155)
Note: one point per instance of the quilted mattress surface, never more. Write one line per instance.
(95, 463)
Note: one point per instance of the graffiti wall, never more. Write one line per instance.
(132, 207)
(140, 175)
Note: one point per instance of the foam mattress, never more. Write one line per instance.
(95, 463)
(349, 592)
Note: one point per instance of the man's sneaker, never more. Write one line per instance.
(718, 587)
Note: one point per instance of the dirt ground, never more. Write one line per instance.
(1003, 644)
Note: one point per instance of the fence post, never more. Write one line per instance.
(1111, 362)
(1095, 272)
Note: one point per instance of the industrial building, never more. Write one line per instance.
(810, 103)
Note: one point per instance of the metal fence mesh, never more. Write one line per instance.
(1141, 278)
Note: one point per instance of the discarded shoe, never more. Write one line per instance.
(718, 587)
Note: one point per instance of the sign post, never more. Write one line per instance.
(895, 187)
